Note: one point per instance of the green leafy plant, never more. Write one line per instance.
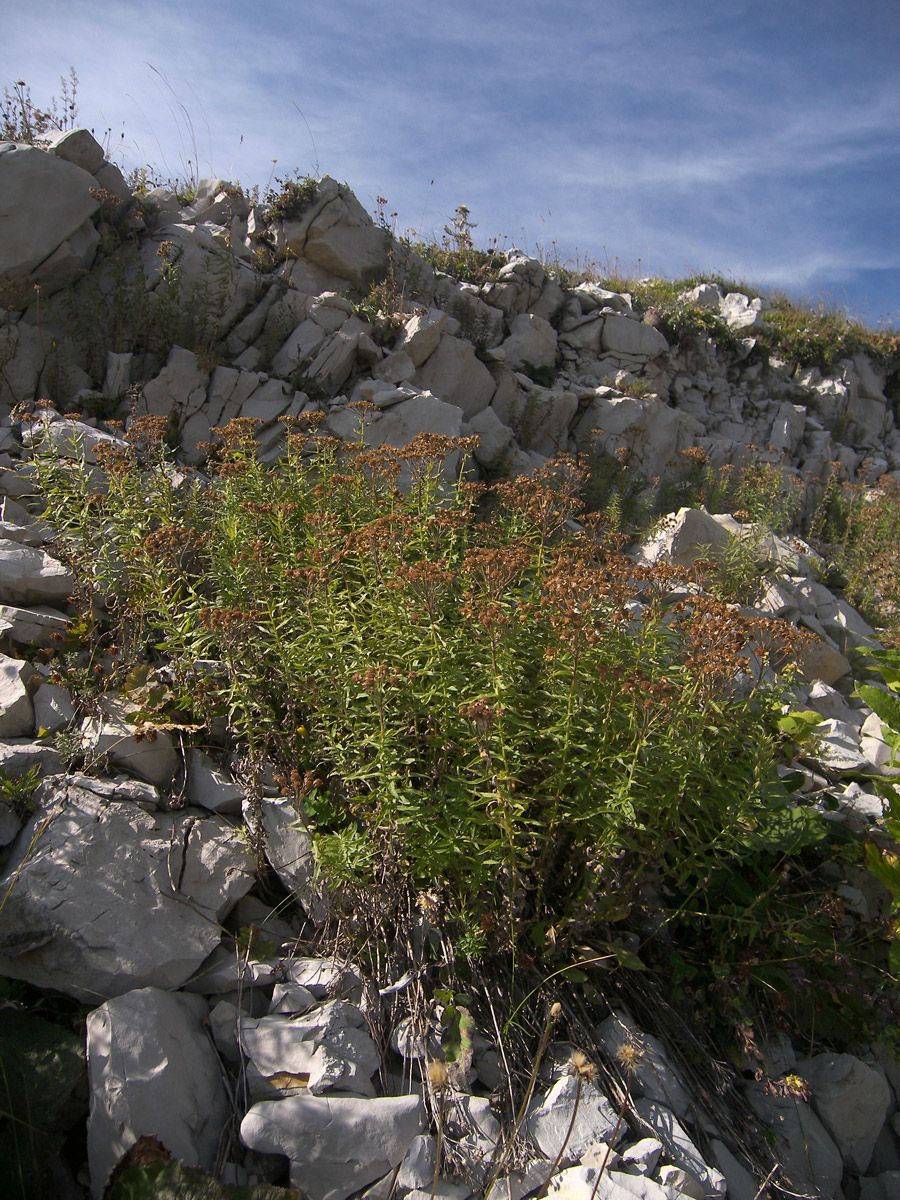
(457, 254)
(291, 197)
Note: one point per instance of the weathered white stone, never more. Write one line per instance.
(810, 1162)
(114, 732)
(741, 1184)
(288, 848)
(654, 1076)
(493, 436)
(117, 380)
(549, 1119)
(395, 368)
(53, 708)
(581, 1183)
(704, 295)
(454, 374)
(326, 977)
(333, 364)
(152, 1070)
(642, 1156)
(852, 1099)
(743, 313)
(837, 746)
(531, 343)
(399, 424)
(341, 237)
(111, 179)
(45, 210)
(24, 353)
(622, 335)
(821, 660)
(10, 823)
(679, 1147)
(69, 439)
(582, 334)
(110, 897)
(299, 348)
(78, 146)
(681, 1182)
(336, 1145)
(421, 335)
(268, 401)
(539, 417)
(20, 755)
(179, 387)
(683, 537)
(16, 712)
(28, 575)
(210, 786)
(652, 432)
(329, 1045)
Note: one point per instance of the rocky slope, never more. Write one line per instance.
(125, 888)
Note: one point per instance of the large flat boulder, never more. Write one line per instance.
(153, 1071)
(46, 207)
(105, 897)
(29, 575)
(336, 1144)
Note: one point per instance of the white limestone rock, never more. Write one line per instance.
(679, 1148)
(454, 374)
(652, 432)
(24, 354)
(210, 786)
(53, 708)
(288, 849)
(335, 361)
(683, 537)
(494, 437)
(421, 335)
(810, 1162)
(328, 1045)
(16, 711)
(540, 417)
(29, 575)
(549, 1119)
(741, 1184)
(69, 439)
(153, 1071)
(654, 1076)
(531, 343)
(113, 731)
(335, 1144)
(852, 1099)
(838, 746)
(581, 1183)
(341, 237)
(704, 295)
(110, 897)
(622, 335)
(78, 146)
(400, 423)
(642, 1156)
(180, 386)
(46, 207)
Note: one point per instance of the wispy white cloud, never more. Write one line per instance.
(756, 134)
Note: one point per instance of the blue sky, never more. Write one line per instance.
(759, 139)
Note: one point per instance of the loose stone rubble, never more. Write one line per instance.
(126, 887)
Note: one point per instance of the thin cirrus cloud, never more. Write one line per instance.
(757, 139)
